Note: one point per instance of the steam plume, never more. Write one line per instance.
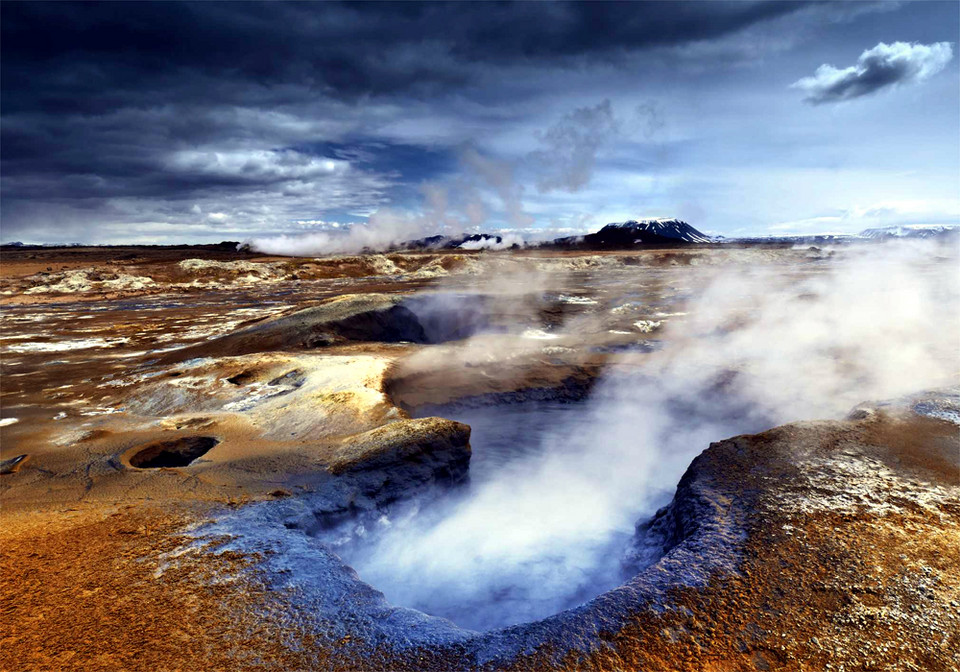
(761, 347)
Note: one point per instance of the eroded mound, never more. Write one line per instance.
(173, 453)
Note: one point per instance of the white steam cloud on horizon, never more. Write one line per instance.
(441, 215)
(385, 229)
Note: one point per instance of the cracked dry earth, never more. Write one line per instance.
(829, 545)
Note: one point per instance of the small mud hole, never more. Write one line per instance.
(242, 378)
(174, 453)
(13, 465)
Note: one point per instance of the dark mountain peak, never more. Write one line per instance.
(663, 230)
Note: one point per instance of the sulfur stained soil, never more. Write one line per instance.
(91, 589)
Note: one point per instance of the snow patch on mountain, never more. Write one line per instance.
(910, 231)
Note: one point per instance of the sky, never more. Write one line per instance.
(200, 122)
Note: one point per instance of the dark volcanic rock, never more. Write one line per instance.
(12, 465)
(437, 242)
(441, 242)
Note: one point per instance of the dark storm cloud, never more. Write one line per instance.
(256, 114)
(884, 66)
(185, 104)
(95, 56)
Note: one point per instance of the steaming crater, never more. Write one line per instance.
(474, 557)
(548, 518)
(426, 318)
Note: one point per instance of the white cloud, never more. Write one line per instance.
(884, 213)
(506, 241)
(255, 165)
(884, 66)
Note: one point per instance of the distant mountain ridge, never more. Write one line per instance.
(618, 235)
(665, 231)
(615, 236)
(795, 239)
(473, 241)
(919, 231)
(911, 231)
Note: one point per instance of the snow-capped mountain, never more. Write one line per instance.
(672, 229)
(643, 232)
(910, 231)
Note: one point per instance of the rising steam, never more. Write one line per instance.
(384, 229)
(760, 347)
(485, 189)
(481, 184)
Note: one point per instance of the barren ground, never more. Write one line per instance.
(842, 537)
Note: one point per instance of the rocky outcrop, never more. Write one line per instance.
(85, 280)
(441, 447)
(304, 397)
(353, 317)
(13, 464)
(404, 462)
